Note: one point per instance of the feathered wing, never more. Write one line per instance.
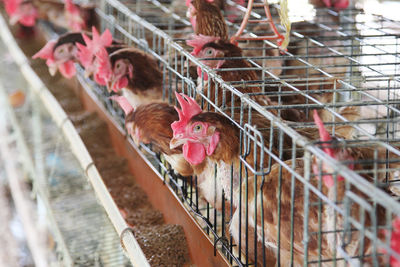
(153, 123)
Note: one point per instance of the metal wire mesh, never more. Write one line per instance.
(335, 62)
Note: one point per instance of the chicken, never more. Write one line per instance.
(210, 139)
(206, 18)
(337, 187)
(87, 54)
(61, 54)
(218, 54)
(374, 160)
(94, 67)
(210, 187)
(150, 124)
(133, 72)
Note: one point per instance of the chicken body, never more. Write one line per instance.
(267, 208)
(150, 124)
(61, 54)
(207, 19)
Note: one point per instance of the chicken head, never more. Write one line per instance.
(61, 57)
(338, 153)
(197, 137)
(205, 48)
(116, 74)
(86, 54)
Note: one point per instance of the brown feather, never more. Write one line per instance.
(209, 20)
(153, 122)
(146, 73)
(269, 191)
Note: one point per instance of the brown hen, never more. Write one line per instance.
(151, 124)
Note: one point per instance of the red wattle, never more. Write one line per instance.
(194, 153)
(68, 69)
(199, 73)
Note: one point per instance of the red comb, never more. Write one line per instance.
(47, 51)
(323, 133)
(123, 103)
(104, 70)
(198, 41)
(188, 2)
(189, 108)
(105, 39)
(86, 53)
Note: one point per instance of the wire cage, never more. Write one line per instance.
(278, 207)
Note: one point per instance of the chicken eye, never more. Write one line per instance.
(197, 128)
(118, 66)
(209, 52)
